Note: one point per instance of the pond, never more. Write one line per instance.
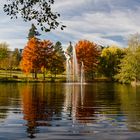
(66, 111)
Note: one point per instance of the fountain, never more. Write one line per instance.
(75, 67)
(72, 68)
(68, 68)
(82, 76)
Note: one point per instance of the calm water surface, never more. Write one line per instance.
(64, 111)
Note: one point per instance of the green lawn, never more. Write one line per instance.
(20, 76)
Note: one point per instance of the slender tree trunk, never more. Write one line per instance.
(55, 75)
(35, 74)
(44, 74)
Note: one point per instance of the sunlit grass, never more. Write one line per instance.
(20, 76)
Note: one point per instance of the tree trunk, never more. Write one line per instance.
(43, 74)
(35, 74)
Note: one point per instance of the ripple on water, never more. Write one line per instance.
(69, 112)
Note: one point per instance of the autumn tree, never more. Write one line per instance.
(30, 57)
(109, 61)
(35, 55)
(46, 53)
(87, 53)
(39, 11)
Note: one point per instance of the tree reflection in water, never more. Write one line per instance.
(80, 109)
(39, 106)
(7, 93)
(80, 102)
(130, 104)
(92, 103)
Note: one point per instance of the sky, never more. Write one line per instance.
(105, 22)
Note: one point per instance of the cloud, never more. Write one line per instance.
(13, 32)
(105, 22)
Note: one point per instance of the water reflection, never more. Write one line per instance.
(81, 101)
(69, 111)
(104, 107)
(8, 100)
(130, 104)
(40, 104)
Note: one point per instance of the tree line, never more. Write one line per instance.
(121, 64)
(42, 56)
(9, 60)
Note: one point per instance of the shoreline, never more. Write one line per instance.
(61, 80)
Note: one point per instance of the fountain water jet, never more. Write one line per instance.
(73, 73)
(82, 76)
(68, 68)
(75, 68)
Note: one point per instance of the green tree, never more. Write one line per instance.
(130, 64)
(109, 61)
(3, 50)
(15, 58)
(33, 32)
(59, 49)
(39, 11)
(57, 61)
(69, 50)
(4, 56)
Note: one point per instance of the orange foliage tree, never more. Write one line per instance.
(35, 55)
(46, 53)
(87, 53)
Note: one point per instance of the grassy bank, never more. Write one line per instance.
(18, 76)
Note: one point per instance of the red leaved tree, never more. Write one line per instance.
(46, 53)
(87, 53)
(35, 55)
